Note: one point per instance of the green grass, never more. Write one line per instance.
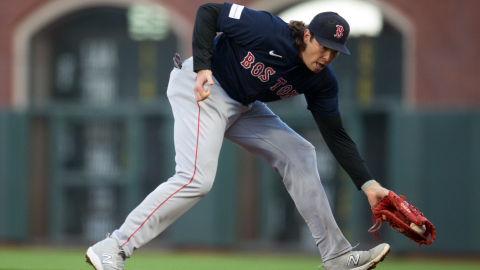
(74, 259)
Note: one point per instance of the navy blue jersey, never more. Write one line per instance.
(255, 59)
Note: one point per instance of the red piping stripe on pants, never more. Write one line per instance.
(194, 171)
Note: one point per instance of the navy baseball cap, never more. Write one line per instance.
(331, 30)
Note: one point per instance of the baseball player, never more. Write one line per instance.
(221, 93)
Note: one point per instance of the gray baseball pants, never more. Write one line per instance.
(199, 131)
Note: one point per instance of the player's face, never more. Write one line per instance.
(316, 57)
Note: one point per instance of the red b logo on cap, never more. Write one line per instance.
(339, 33)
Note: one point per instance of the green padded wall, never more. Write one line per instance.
(13, 176)
(435, 161)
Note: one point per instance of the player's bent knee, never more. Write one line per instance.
(204, 189)
(305, 159)
(201, 185)
(196, 186)
(305, 150)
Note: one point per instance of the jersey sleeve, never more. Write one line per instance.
(325, 99)
(204, 34)
(246, 27)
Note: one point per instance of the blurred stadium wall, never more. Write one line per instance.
(86, 130)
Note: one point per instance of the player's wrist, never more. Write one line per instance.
(368, 184)
(198, 70)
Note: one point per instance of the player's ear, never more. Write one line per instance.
(306, 36)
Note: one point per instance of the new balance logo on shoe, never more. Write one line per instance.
(353, 259)
(106, 255)
(107, 259)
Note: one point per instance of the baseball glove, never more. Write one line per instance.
(403, 217)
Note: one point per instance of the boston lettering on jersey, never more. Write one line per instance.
(284, 92)
(259, 71)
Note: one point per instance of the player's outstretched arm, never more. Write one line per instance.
(343, 148)
(346, 153)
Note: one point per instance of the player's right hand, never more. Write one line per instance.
(203, 76)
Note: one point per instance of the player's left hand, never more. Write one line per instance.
(375, 193)
(203, 76)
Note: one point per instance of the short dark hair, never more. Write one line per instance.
(298, 29)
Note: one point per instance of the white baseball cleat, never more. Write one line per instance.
(106, 255)
(358, 260)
